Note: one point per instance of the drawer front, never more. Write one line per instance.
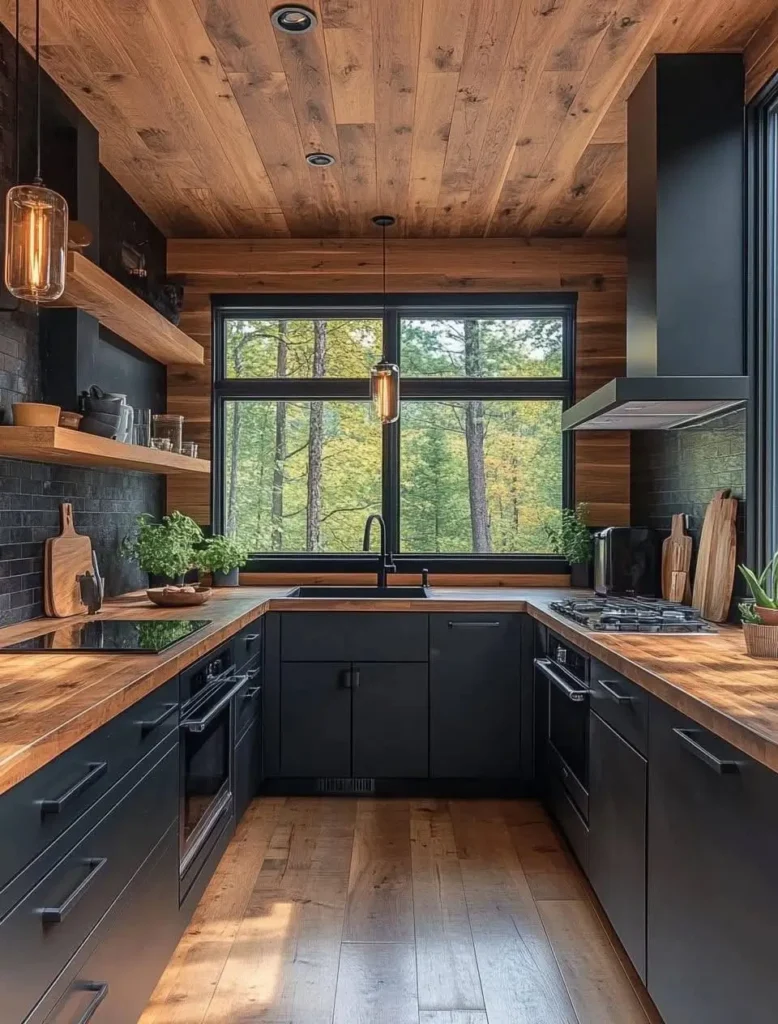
(354, 636)
(621, 703)
(40, 809)
(42, 933)
(249, 700)
(247, 644)
(127, 953)
(248, 769)
(567, 816)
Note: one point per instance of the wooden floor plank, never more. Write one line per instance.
(377, 984)
(519, 976)
(380, 892)
(284, 963)
(551, 871)
(452, 1017)
(599, 989)
(445, 957)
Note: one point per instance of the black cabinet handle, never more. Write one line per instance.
(345, 679)
(473, 625)
(200, 724)
(572, 693)
(96, 770)
(620, 698)
(355, 678)
(147, 727)
(55, 915)
(251, 693)
(722, 767)
(100, 992)
(254, 672)
(251, 638)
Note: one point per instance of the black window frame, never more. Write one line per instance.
(762, 324)
(224, 389)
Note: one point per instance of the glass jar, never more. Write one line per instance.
(171, 427)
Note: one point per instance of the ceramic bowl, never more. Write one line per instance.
(35, 414)
(88, 425)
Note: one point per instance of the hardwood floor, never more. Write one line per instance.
(363, 911)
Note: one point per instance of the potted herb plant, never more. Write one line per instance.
(165, 549)
(571, 538)
(760, 616)
(222, 557)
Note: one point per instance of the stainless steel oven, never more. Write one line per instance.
(566, 672)
(207, 742)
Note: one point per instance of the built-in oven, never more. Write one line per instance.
(565, 673)
(207, 735)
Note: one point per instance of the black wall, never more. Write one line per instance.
(105, 503)
(681, 470)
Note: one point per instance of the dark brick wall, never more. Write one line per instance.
(681, 470)
(105, 503)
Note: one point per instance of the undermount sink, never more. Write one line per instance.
(352, 592)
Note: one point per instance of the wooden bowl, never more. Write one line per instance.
(167, 598)
(35, 414)
(70, 419)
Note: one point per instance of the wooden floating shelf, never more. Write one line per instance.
(75, 448)
(89, 288)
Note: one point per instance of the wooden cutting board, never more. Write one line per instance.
(715, 573)
(676, 558)
(67, 557)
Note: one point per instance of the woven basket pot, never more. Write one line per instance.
(761, 641)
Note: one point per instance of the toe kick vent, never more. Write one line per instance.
(346, 786)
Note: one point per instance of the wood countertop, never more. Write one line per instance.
(48, 702)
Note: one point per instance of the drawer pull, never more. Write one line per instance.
(251, 638)
(96, 771)
(100, 992)
(55, 915)
(620, 698)
(722, 767)
(251, 693)
(473, 625)
(254, 672)
(147, 727)
(355, 678)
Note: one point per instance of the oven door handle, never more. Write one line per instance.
(546, 666)
(201, 723)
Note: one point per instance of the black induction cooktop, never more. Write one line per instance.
(110, 636)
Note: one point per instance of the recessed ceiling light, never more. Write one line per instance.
(293, 18)
(320, 159)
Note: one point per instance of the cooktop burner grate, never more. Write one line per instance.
(632, 615)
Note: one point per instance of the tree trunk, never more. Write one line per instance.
(316, 442)
(279, 455)
(474, 436)
(231, 524)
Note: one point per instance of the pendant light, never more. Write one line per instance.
(36, 218)
(385, 376)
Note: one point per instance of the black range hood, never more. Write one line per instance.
(685, 250)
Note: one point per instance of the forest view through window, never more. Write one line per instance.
(474, 466)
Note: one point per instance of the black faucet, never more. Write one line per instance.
(385, 563)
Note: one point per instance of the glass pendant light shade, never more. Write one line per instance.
(36, 239)
(385, 390)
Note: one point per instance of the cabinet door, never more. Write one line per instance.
(248, 768)
(475, 695)
(712, 894)
(617, 835)
(316, 720)
(390, 720)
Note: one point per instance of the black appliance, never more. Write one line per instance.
(110, 636)
(566, 672)
(632, 615)
(207, 740)
(627, 562)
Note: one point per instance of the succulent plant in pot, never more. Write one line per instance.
(571, 538)
(760, 616)
(165, 549)
(222, 557)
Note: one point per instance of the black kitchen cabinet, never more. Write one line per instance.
(316, 719)
(248, 768)
(390, 720)
(354, 636)
(617, 835)
(712, 893)
(475, 696)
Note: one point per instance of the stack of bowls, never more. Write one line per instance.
(105, 414)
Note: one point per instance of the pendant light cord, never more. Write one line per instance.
(38, 179)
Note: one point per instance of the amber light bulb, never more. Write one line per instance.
(36, 233)
(385, 389)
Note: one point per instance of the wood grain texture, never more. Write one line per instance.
(89, 288)
(594, 268)
(714, 574)
(68, 556)
(464, 118)
(265, 943)
(676, 558)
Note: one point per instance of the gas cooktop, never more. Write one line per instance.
(632, 615)
(110, 636)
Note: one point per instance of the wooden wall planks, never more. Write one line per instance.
(595, 268)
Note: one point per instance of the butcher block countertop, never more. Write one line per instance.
(48, 702)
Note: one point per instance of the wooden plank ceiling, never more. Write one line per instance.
(461, 117)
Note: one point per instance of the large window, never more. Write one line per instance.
(474, 469)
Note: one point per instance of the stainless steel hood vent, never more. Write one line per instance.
(685, 244)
